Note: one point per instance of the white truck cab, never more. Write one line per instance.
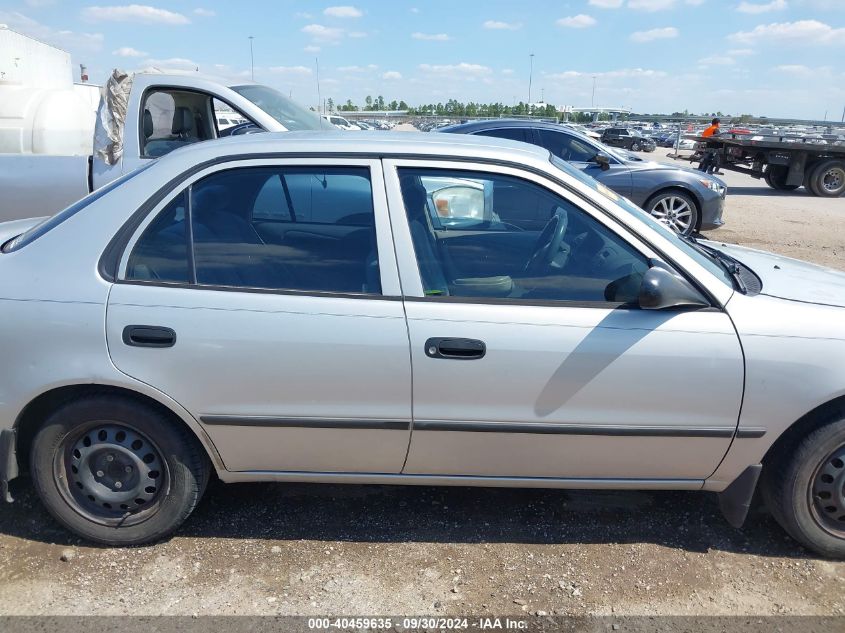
(163, 112)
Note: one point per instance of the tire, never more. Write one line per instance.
(116, 471)
(686, 218)
(775, 177)
(810, 509)
(635, 146)
(828, 179)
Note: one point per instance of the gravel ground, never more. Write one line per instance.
(309, 549)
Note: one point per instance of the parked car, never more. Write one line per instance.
(341, 122)
(236, 308)
(685, 199)
(626, 138)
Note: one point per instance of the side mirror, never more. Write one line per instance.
(662, 289)
(602, 160)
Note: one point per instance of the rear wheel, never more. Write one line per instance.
(635, 146)
(828, 179)
(117, 471)
(775, 177)
(675, 209)
(804, 487)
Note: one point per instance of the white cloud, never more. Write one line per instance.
(37, 4)
(794, 69)
(462, 70)
(133, 13)
(624, 73)
(800, 32)
(71, 41)
(756, 8)
(717, 60)
(741, 52)
(651, 5)
(205, 13)
(322, 33)
(343, 12)
(392, 75)
(128, 51)
(431, 37)
(495, 25)
(290, 70)
(579, 21)
(414, 10)
(667, 33)
(173, 63)
(357, 69)
(606, 4)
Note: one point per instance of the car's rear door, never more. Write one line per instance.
(263, 297)
(553, 373)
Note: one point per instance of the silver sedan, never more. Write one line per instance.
(406, 309)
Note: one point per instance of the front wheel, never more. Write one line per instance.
(635, 146)
(676, 210)
(117, 471)
(804, 488)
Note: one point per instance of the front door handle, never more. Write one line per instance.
(455, 348)
(149, 336)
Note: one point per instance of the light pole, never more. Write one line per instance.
(530, 76)
(251, 59)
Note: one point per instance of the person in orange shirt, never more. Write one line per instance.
(710, 162)
(713, 129)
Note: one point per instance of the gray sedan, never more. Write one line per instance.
(686, 200)
(406, 309)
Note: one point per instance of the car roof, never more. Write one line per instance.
(496, 124)
(362, 144)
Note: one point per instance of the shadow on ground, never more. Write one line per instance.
(321, 512)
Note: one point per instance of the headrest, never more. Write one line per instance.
(206, 199)
(182, 121)
(415, 197)
(148, 124)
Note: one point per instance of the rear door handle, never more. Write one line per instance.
(149, 336)
(455, 348)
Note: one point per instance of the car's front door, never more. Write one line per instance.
(581, 154)
(552, 370)
(264, 298)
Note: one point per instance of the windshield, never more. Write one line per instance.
(290, 114)
(695, 252)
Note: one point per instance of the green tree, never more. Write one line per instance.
(380, 103)
(330, 104)
(369, 102)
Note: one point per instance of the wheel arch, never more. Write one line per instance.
(807, 423)
(26, 424)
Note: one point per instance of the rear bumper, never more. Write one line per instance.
(8, 462)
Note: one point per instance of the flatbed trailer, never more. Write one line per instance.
(784, 165)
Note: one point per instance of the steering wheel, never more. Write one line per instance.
(242, 128)
(548, 243)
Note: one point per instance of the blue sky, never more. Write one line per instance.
(772, 57)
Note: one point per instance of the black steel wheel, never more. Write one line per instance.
(827, 493)
(116, 470)
(803, 484)
(111, 474)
